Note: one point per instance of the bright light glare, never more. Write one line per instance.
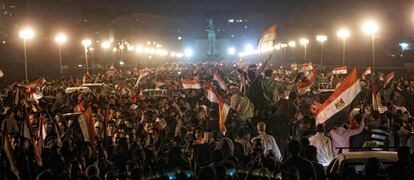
(26, 34)
(370, 27)
(321, 38)
(231, 51)
(292, 43)
(106, 44)
(188, 52)
(86, 42)
(304, 41)
(121, 47)
(114, 49)
(131, 48)
(283, 45)
(139, 49)
(61, 38)
(121, 63)
(248, 48)
(343, 33)
(404, 46)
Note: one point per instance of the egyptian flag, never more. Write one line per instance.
(141, 75)
(37, 142)
(307, 67)
(340, 70)
(34, 84)
(86, 125)
(305, 85)
(190, 84)
(85, 77)
(211, 94)
(268, 38)
(8, 152)
(388, 78)
(366, 72)
(223, 108)
(222, 84)
(337, 107)
(80, 107)
(376, 98)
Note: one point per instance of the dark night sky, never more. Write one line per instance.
(295, 18)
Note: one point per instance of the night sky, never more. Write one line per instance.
(295, 19)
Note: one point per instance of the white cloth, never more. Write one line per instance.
(323, 145)
(269, 145)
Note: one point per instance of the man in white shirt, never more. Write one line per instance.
(268, 141)
(323, 145)
(340, 135)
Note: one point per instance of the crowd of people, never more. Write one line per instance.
(142, 124)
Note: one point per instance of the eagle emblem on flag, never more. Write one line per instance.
(340, 104)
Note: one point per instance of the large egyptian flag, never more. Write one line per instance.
(305, 84)
(222, 84)
(223, 108)
(368, 71)
(340, 70)
(190, 84)
(86, 125)
(388, 78)
(336, 108)
(8, 152)
(268, 38)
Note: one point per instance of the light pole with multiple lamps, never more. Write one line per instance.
(26, 34)
(86, 43)
(371, 28)
(321, 39)
(60, 39)
(343, 34)
(304, 42)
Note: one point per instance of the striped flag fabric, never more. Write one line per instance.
(86, 125)
(268, 38)
(33, 84)
(80, 107)
(223, 112)
(340, 70)
(376, 98)
(366, 72)
(37, 142)
(211, 94)
(388, 78)
(223, 108)
(305, 85)
(190, 84)
(337, 107)
(307, 67)
(222, 84)
(8, 152)
(141, 75)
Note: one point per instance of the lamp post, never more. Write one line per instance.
(26, 34)
(292, 45)
(86, 43)
(321, 39)
(105, 45)
(304, 42)
(60, 39)
(371, 28)
(343, 34)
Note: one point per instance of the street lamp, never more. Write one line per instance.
(343, 34)
(26, 34)
(85, 44)
(304, 42)
(321, 39)
(292, 45)
(105, 44)
(371, 28)
(60, 39)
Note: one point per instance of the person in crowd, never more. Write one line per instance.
(323, 146)
(305, 167)
(268, 141)
(341, 135)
